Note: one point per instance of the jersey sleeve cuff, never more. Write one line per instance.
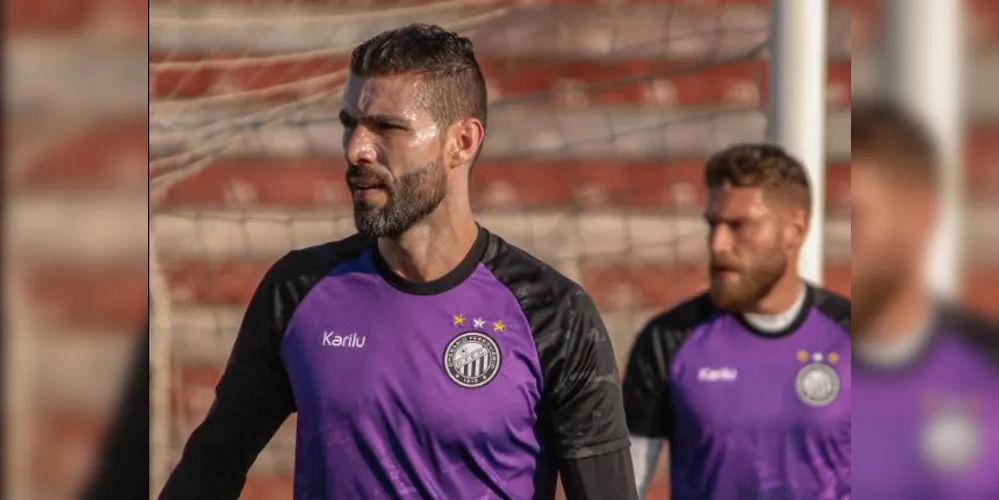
(577, 452)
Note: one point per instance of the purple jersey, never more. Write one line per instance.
(483, 384)
(930, 429)
(748, 414)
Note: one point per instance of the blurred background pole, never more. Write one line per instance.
(923, 60)
(798, 105)
(159, 371)
(19, 369)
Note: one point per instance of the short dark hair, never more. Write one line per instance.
(764, 166)
(443, 58)
(895, 140)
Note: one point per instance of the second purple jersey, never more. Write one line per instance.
(748, 414)
(926, 429)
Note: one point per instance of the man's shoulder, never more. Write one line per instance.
(663, 335)
(977, 331)
(319, 259)
(832, 305)
(534, 282)
(685, 316)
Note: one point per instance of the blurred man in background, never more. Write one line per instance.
(122, 467)
(748, 383)
(425, 356)
(926, 374)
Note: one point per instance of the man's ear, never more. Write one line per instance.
(798, 226)
(921, 204)
(466, 138)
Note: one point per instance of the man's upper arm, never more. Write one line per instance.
(600, 477)
(646, 384)
(647, 398)
(253, 398)
(582, 386)
(583, 402)
(581, 414)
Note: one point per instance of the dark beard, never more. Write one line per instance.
(411, 198)
(753, 286)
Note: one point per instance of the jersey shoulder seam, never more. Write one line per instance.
(322, 258)
(976, 330)
(295, 275)
(833, 306)
(556, 290)
(677, 324)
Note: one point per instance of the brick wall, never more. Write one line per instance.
(603, 183)
(619, 215)
(75, 166)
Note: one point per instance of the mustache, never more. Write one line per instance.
(724, 264)
(366, 176)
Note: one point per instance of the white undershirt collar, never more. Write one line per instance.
(898, 351)
(780, 321)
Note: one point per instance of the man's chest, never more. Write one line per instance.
(442, 367)
(932, 435)
(802, 382)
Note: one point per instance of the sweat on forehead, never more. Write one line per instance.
(392, 95)
(444, 62)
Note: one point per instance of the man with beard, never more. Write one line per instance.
(425, 356)
(749, 383)
(926, 373)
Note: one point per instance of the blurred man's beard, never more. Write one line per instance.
(411, 198)
(751, 287)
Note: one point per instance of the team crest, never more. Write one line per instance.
(472, 359)
(950, 438)
(817, 384)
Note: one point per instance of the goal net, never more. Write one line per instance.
(601, 115)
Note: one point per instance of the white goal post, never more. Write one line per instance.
(798, 106)
(923, 58)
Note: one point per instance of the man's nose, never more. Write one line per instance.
(720, 241)
(359, 147)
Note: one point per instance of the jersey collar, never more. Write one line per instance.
(790, 320)
(457, 276)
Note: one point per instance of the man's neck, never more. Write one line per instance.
(777, 322)
(902, 313)
(432, 248)
(782, 297)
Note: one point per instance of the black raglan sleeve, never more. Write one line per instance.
(608, 476)
(834, 306)
(581, 414)
(589, 435)
(980, 333)
(647, 400)
(252, 400)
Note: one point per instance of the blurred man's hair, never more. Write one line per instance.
(445, 60)
(764, 166)
(893, 140)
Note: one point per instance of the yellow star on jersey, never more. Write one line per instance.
(499, 326)
(458, 319)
